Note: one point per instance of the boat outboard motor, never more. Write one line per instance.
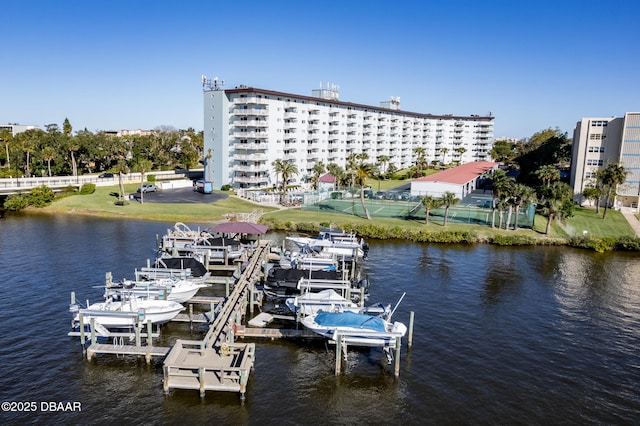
(363, 283)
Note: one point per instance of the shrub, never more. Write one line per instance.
(15, 202)
(121, 203)
(88, 188)
(151, 178)
(226, 187)
(628, 244)
(41, 196)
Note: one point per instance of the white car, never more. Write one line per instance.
(147, 187)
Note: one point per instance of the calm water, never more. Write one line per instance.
(530, 336)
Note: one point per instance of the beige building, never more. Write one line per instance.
(607, 140)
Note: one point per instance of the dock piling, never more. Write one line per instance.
(410, 338)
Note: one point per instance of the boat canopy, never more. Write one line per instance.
(350, 319)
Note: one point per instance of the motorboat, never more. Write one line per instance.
(334, 242)
(183, 241)
(127, 313)
(355, 328)
(329, 300)
(176, 290)
(282, 282)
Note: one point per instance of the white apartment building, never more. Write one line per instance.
(246, 129)
(16, 128)
(601, 141)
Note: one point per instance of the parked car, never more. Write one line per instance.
(381, 195)
(147, 187)
(106, 175)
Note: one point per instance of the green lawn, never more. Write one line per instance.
(615, 225)
(101, 203)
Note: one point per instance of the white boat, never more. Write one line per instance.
(176, 290)
(335, 242)
(126, 313)
(355, 329)
(330, 301)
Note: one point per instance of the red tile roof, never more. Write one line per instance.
(461, 174)
(327, 178)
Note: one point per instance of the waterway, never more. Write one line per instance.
(540, 335)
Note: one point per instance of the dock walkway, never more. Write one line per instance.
(217, 362)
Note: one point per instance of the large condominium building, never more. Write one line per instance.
(601, 141)
(247, 129)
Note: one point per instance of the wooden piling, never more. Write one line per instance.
(338, 339)
(149, 333)
(396, 370)
(410, 338)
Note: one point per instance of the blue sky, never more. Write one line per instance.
(116, 64)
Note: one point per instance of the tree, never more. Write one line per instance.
(122, 169)
(48, 154)
(337, 172)
(5, 137)
(444, 154)
(448, 199)
(421, 159)
(459, 153)
(500, 185)
(383, 160)
(142, 166)
(66, 127)
(363, 171)
(558, 203)
(593, 194)
(286, 170)
(503, 151)
(524, 196)
(430, 202)
(547, 147)
(551, 210)
(611, 176)
(547, 174)
(318, 170)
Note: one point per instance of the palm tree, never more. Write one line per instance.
(142, 166)
(277, 168)
(551, 210)
(444, 154)
(337, 172)
(524, 196)
(548, 174)
(383, 160)
(500, 184)
(122, 169)
(287, 170)
(5, 137)
(318, 170)
(448, 199)
(421, 159)
(611, 176)
(430, 202)
(362, 172)
(48, 154)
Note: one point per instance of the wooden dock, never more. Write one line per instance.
(217, 362)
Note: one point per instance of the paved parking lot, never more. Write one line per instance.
(179, 196)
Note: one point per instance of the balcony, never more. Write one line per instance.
(250, 100)
(250, 135)
(251, 179)
(250, 168)
(249, 157)
(251, 146)
(263, 124)
(259, 112)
